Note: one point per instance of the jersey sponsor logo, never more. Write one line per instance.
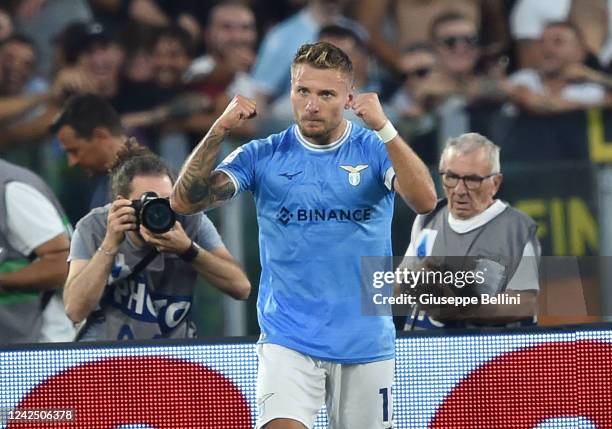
(354, 176)
(285, 215)
(290, 176)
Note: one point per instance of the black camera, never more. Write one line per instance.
(154, 213)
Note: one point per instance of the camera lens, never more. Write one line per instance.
(157, 216)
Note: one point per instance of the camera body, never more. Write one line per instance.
(154, 213)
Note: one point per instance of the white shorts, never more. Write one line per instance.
(294, 386)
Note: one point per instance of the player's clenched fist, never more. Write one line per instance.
(237, 111)
(368, 108)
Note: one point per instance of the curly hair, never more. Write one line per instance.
(135, 160)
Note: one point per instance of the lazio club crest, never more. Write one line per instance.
(354, 176)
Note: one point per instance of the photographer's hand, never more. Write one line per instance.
(174, 241)
(217, 265)
(121, 218)
(87, 278)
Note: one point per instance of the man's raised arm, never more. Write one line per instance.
(198, 186)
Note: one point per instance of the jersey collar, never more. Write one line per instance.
(461, 226)
(323, 148)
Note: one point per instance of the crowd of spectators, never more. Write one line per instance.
(170, 67)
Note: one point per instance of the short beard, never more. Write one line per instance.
(322, 137)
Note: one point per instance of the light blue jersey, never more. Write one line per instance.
(319, 209)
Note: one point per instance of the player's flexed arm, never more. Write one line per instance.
(413, 181)
(198, 187)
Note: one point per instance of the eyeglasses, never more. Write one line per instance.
(471, 182)
(452, 42)
(421, 72)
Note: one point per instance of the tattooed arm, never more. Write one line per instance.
(198, 186)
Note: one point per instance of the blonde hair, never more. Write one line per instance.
(323, 55)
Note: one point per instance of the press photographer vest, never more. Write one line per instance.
(20, 312)
(502, 239)
(155, 304)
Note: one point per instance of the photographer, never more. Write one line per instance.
(470, 231)
(110, 282)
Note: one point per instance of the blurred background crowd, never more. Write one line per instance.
(440, 67)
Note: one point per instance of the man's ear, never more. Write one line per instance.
(349, 102)
(497, 181)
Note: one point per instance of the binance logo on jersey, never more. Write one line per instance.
(285, 215)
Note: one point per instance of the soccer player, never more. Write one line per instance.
(324, 191)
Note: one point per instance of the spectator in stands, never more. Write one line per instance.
(17, 82)
(27, 103)
(230, 37)
(89, 49)
(186, 14)
(137, 42)
(551, 87)
(282, 41)
(457, 48)
(17, 62)
(592, 17)
(416, 62)
(171, 55)
(34, 242)
(151, 13)
(412, 21)
(91, 134)
(44, 20)
(483, 234)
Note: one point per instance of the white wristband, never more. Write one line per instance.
(387, 133)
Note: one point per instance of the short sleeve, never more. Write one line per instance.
(208, 237)
(31, 218)
(239, 165)
(89, 234)
(80, 247)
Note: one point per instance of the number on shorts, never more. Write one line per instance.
(385, 394)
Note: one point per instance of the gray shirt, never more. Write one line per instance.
(156, 302)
